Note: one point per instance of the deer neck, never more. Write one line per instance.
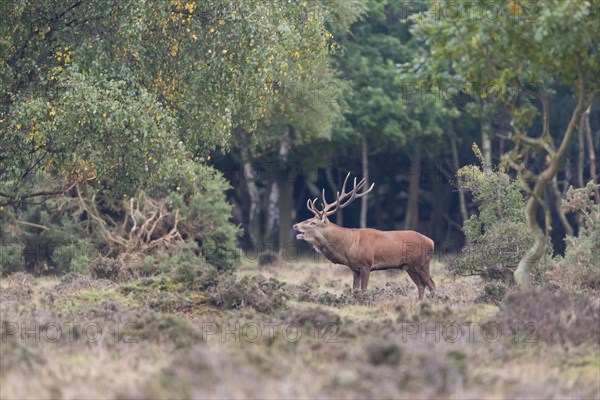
(337, 241)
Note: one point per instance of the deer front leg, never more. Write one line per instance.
(356, 281)
(364, 278)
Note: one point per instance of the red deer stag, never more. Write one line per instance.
(366, 250)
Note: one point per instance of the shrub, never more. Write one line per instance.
(195, 274)
(11, 258)
(206, 216)
(497, 237)
(264, 295)
(493, 293)
(317, 317)
(64, 234)
(105, 268)
(383, 352)
(495, 254)
(579, 268)
(557, 317)
(44, 239)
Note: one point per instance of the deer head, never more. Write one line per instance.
(312, 229)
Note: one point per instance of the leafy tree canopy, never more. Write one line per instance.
(122, 92)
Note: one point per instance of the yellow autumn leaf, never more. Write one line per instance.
(515, 8)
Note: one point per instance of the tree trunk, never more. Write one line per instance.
(440, 203)
(249, 174)
(557, 206)
(365, 176)
(486, 143)
(391, 202)
(580, 154)
(591, 151)
(339, 216)
(378, 207)
(464, 213)
(272, 212)
(412, 207)
(536, 252)
(286, 192)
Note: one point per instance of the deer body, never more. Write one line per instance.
(365, 250)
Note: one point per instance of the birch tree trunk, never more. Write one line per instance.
(464, 213)
(248, 177)
(365, 175)
(412, 207)
(591, 151)
(286, 191)
(486, 143)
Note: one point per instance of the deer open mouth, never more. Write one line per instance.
(300, 235)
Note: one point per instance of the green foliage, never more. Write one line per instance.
(66, 234)
(493, 293)
(74, 260)
(497, 237)
(518, 50)
(385, 105)
(11, 260)
(500, 198)
(264, 295)
(44, 239)
(579, 268)
(120, 91)
(105, 268)
(206, 215)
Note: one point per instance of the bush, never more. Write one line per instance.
(63, 234)
(493, 293)
(206, 216)
(11, 258)
(264, 295)
(580, 266)
(495, 254)
(383, 352)
(195, 274)
(44, 239)
(317, 317)
(105, 268)
(497, 237)
(557, 317)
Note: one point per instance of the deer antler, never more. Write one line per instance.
(332, 208)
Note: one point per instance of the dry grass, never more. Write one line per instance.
(350, 347)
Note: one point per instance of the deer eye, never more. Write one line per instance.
(313, 223)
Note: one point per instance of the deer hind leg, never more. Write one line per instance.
(356, 281)
(423, 271)
(417, 280)
(426, 278)
(364, 278)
